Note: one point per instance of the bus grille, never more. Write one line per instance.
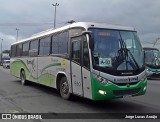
(126, 92)
(124, 84)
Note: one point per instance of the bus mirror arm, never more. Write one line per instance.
(91, 39)
(86, 32)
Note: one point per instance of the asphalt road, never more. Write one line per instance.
(35, 98)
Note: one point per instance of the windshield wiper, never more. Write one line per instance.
(123, 55)
(133, 59)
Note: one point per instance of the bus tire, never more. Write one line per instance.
(23, 78)
(64, 88)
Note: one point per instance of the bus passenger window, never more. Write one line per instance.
(60, 43)
(25, 49)
(34, 45)
(45, 46)
(19, 50)
(13, 50)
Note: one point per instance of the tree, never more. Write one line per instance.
(6, 51)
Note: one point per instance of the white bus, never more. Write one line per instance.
(97, 61)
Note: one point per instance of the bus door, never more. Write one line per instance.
(76, 66)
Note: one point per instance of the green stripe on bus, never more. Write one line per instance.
(50, 65)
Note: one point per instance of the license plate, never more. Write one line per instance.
(125, 96)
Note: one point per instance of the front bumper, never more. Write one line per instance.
(113, 91)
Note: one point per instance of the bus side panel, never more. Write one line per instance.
(87, 88)
(45, 74)
(65, 69)
(33, 62)
(14, 67)
(48, 68)
(17, 64)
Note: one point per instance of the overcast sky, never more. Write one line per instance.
(33, 16)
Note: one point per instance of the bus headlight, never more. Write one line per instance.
(147, 70)
(101, 80)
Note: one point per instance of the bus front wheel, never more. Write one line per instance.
(64, 88)
(23, 78)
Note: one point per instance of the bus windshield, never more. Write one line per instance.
(152, 57)
(116, 50)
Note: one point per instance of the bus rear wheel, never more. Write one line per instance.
(23, 78)
(64, 88)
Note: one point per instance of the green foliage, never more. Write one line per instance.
(6, 51)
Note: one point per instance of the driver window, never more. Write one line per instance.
(76, 51)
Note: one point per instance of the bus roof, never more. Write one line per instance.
(84, 25)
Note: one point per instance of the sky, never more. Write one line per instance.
(33, 16)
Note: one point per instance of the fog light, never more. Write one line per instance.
(102, 92)
(144, 88)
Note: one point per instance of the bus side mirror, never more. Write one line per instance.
(144, 53)
(91, 39)
(91, 43)
(33, 53)
(144, 56)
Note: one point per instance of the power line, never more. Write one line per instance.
(25, 24)
(30, 24)
(153, 42)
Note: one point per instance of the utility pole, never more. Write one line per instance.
(55, 5)
(17, 34)
(1, 50)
